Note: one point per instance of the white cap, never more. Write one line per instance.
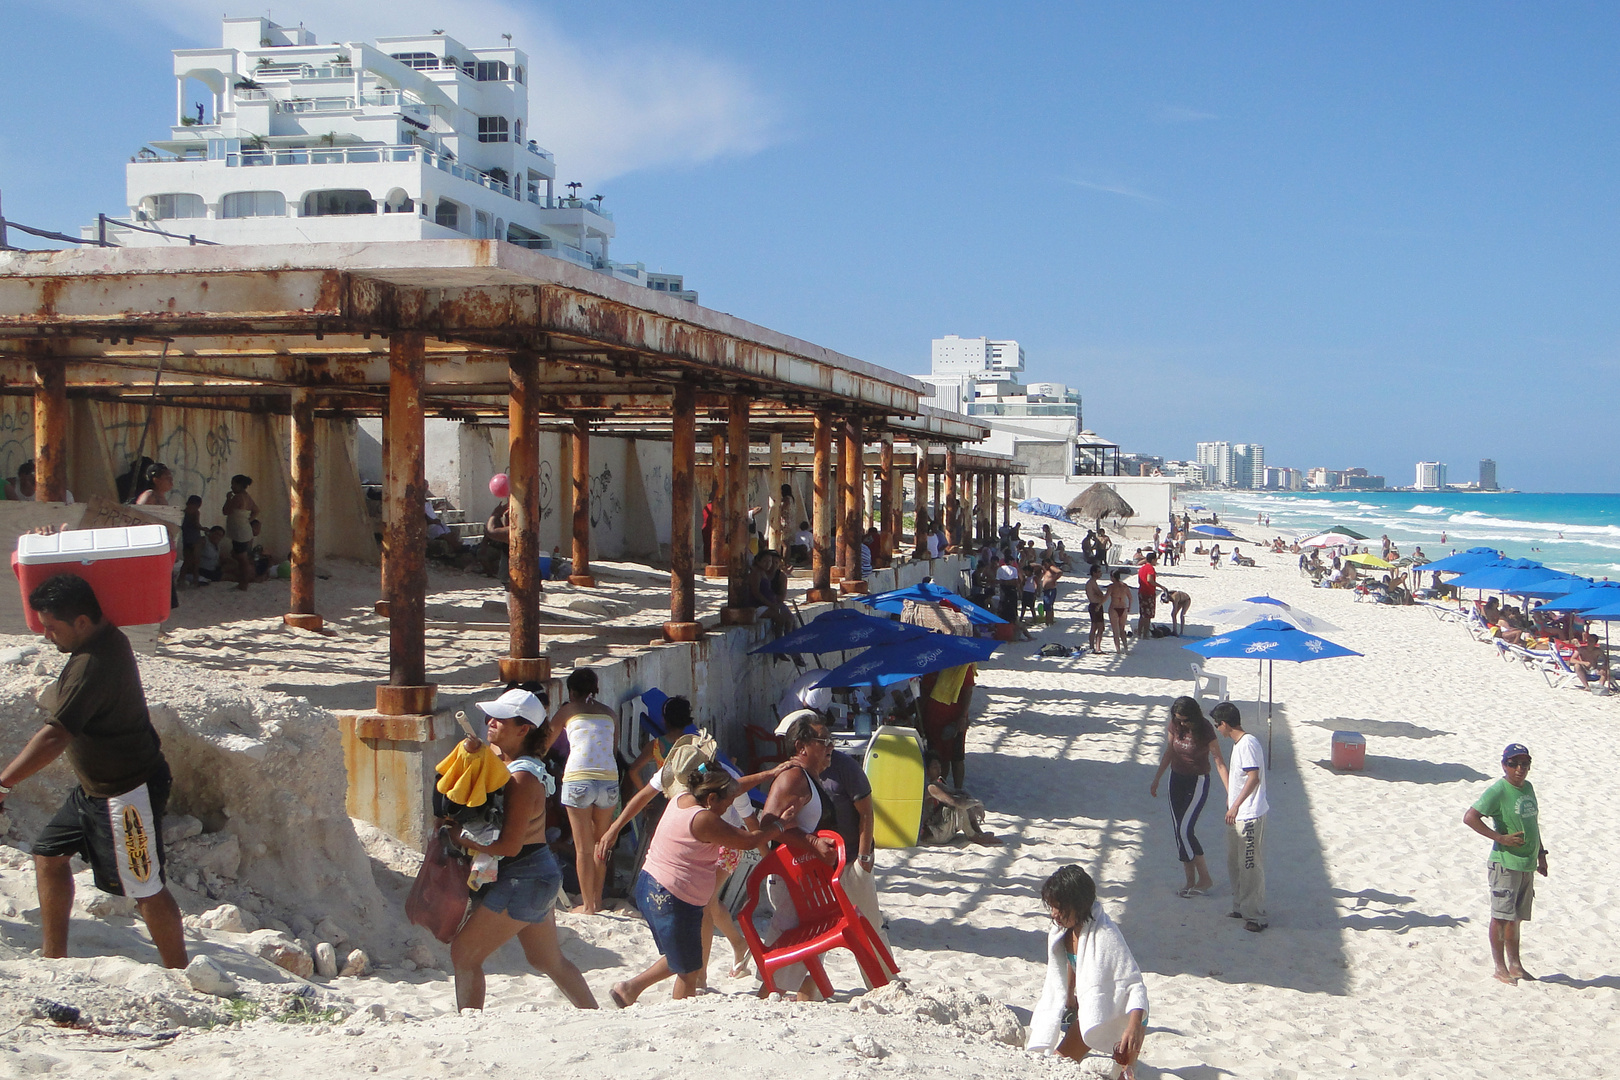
(516, 704)
(801, 714)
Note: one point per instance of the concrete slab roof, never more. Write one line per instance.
(233, 325)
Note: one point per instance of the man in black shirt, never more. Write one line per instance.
(114, 818)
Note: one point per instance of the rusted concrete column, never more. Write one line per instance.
(50, 424)
(719, 518)
(920, 498)
(301, 492)
(404, 496)
(1006, 499)
(981, 505)
(821, 554)
(854, 476)
(582, 504)
(953, 502)
(524, 661)
(887, 530)
(737, 610)
(683, 624)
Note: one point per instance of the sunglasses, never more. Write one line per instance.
(1518, 763)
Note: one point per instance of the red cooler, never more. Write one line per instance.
(129, 568)
(1349, 750)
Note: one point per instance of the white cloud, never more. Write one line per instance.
(604, 110)
(1113, 189)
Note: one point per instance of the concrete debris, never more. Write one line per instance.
(230, 918)
(178, 827)
(326, 964)
(356, 965)
(283, 952)
(206, 976)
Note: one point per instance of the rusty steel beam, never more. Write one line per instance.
(887, 526)
(50, 424)
(852, 532)
(523, 509)
(405, 569)
(740, 561)
(953, 504)
(924, 510)
(683, 624)
(821, 555)
(301, 493)
(582, 504)
(719, 508)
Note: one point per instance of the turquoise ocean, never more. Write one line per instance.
(1575, 533)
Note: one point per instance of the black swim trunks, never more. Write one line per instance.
(121, 837)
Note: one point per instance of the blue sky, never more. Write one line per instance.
(1361, 235)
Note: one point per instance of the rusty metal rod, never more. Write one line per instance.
(523, 507)
(404, 497)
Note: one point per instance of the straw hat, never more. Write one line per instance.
(688, 753)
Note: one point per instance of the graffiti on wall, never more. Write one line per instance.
(16, 440)
(200, 458)
(548, 493)
(605, 503)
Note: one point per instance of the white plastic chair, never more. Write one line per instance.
(1204, 682)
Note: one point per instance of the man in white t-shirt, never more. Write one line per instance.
(1246, 808)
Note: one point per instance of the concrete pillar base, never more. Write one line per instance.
(682, 631)
(713, 572)
(381, 608)
(735, 616)
(389, 761)
(584, 581)
(836, 574)
(820, 596)
(303, 622)
(524, 668)
(853, 585)
(406, 700)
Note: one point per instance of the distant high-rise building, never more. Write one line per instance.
(1487, 474)
(1239, 465)
(1431, 476)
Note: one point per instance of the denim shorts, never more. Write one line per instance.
(583, 794)
(526, 888)
(677, 926)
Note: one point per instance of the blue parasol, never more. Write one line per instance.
(1246, 611)
(1463, 561)
(928, 593)
(1508, 575)
(1269, 639)
(1596, 594)
(1219, 532)
(841, 628)
(928, 651)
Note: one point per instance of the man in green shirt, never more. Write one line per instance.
(1516, 856)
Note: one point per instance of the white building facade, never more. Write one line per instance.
(1431, 476)
(280, 139)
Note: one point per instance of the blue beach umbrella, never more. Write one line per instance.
(1463, 561)
(928, 593)
(841, 628)
(1596, 594)
(1253, 608)
(928, 651)
(1273, 640)
(1219, 532)
(1509, 575)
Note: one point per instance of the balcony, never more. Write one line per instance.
(566, 203)
(357, 155)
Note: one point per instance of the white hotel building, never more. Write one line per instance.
(279, 139)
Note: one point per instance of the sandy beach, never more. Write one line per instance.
(1375, 963)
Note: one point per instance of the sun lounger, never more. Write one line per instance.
(1204, 682)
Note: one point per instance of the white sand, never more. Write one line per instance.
(1375, 964)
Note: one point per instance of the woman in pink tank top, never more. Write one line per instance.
(678, 877)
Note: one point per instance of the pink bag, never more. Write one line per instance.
(439, 898)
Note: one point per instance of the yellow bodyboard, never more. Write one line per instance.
(894, 767)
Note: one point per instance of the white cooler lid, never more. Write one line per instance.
(92, 545)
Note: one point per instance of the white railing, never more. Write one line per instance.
(366, 155)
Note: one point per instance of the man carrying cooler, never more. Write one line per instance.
(1516, 857)
(1246, 809)
(114, 818)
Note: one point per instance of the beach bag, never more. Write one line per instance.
(438, 901)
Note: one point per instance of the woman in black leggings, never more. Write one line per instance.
(1190, 746)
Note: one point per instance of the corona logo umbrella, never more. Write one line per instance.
(1269, 640)
(927, 651)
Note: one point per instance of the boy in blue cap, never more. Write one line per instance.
(1516, 856)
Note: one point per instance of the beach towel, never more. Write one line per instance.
(1107, 986)
(948, 686)
(468, 779)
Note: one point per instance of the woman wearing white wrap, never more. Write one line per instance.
(1089, 969)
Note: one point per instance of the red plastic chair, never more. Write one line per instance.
(765, 748)
(828, 919)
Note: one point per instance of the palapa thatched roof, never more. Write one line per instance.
(1097, 502)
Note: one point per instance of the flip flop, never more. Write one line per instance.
(1191, 891)
(618, 999)
(1253, 927)
(742, 969)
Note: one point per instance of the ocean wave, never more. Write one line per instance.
(1422, 509)
(1474, 517)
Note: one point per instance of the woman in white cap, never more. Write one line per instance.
(519, 902)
